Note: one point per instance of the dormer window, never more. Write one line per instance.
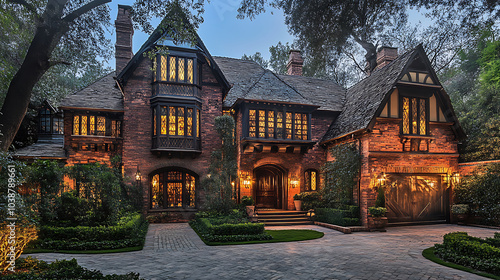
(176, 69)
(415, 114)
(177, 74)
(51, 122)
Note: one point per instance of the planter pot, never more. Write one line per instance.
(250, 211)
(380, 223)
(298, 205)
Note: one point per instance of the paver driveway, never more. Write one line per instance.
(173, 251)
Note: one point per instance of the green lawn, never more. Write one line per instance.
(429, 254)
(288, 235)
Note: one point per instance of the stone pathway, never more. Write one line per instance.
(174, 251)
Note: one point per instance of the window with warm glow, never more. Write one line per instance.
(414, 116)
(173, 189)
(176, 69)
(273, 124)
(96, 125)
(178, 121)
(311, 180)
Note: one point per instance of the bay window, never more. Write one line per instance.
(278, 124)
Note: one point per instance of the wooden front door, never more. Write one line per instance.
(268, 187)
(412, 198)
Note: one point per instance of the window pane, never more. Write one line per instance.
(76, 125)
(118, 128)
(156, 192)
(422, 117)
(154, 121)
(270, 124)
(298, 126)
(251, 123)
(174, 193)
(313, 180)
(171, 121)
(406, 115)
(190, 186)
(181, 69)
(288, 125)
(414, 118)
(172, 70)
(180, 121)
(307, 181)
(163, 120)
(101, 126)
(189, 122)
(279, 125)
(304, 126)
(190, 71)
(83, 125)
(163, 68)
(92, 125)
(262, 124)
(113, 128)
(57, 126)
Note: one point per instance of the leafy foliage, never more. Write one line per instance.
(310, 200)
(340, 217)
(257, 57)
(339, 175)
(462, 249)
(380, 202)
(223, 169)
(481, 191)
(377, 211)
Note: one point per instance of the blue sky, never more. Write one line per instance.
(223, 33)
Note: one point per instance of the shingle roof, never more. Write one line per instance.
(250, 81)
(42, 151)
(364, 98)
(325, 93)
(102, 94)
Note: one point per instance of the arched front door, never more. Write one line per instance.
(269, 190)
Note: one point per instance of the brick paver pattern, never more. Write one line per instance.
(174, 251)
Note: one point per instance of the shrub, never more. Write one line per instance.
(460, 248)
(64, 269)
(247, 201)
(380, 202)
(458, 209)
(377, 211)
(338, 216)
(310, 200)
(481, 191)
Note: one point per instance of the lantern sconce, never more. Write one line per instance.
(138, 175)
(294, 182)
(247, 181)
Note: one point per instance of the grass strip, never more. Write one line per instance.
(429, 254)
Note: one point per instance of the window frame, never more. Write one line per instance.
(92, 130)
(185, 56)
(163, 179)
(418, 101)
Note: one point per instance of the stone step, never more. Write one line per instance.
(278, 217)
(272, 219)
(288, 223)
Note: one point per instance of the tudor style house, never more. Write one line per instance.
(161, 122)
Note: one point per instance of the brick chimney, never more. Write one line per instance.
(124, 33)
(295, 63)
(385, 55)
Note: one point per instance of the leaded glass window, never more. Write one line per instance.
(173, 189)
(176, 69)
(414, 116)
(270, 124)
(273, 124)
(288, 125)
(251, 123)
(279, 125)
(45, 121)
(92, 125)
(189, 122)
(177, 121)
(76, 125)
(88, 125)
(311, 180)
(83, 126)
(101, 126)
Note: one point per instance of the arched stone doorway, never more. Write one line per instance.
(270, 190)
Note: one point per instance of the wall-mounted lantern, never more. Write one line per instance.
(247, 181)
(294, 182)
(138, 175)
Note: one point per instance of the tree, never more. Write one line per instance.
(220, 193)
(75, 26)
(257, 57)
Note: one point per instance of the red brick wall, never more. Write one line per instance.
(137, 130)
(467, 168)
(382, 151)
(293, 164)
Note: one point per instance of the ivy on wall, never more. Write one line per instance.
(339, 175)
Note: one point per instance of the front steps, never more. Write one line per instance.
(283, 218)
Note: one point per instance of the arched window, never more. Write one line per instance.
(311, 180)
(173, 188)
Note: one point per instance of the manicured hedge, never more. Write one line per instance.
(128, 233)
(212, 230)
(348, 217)
(474, 252)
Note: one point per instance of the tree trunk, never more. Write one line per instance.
(371, 53)
(47, 35)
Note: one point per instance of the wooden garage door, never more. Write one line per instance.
(413, 198)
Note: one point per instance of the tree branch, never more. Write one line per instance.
(27, 5)
(83, 9)
(57, 62)
(351, 56)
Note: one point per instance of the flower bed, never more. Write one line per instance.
(474, 252)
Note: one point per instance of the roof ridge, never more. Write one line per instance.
(290, 86)
(253, 85)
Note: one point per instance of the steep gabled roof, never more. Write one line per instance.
(250, 81)
(327, 94)
(101, 95)
(364, 99)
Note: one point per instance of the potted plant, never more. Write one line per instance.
(248, 202)
(297, 201)
(460, 211)
(378, 215)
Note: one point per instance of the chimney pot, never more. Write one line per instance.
(124, 33)
(295, 63)
(386, 55)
